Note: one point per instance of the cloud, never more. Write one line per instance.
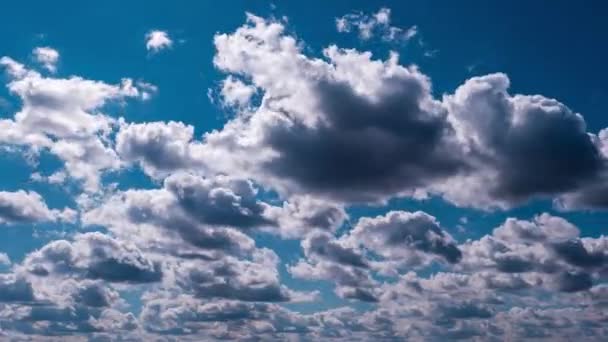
(158, 40)
(206, 212)
(517, 141)
(160, 148)
(62, 117)
(547, 250)
(397, 241)
(220, 201)
(28, 207)
(93, 256)
(48, 57)
(330, 114)
(253, 280)
(320, 121)
(405, 237)
(379, 23)
(236, 93)
(5, 259)
(15, 289)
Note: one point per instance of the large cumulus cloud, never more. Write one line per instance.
(350, 128)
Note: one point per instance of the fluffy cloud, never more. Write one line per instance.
(404, 236)
(320, 121)
(330, 114)
(546, 251)
(93, 256)
(29, 207)
(517, 142)
(206, 212)
(47, 56)
(236, 93)
(160, 148)
(384, 245)
(61, 116)
(158, 40)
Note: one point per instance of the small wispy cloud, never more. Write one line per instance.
(379, 23)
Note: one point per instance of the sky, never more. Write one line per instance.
(303, 171)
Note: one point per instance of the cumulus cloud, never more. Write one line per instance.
(62, 117)
(546, 251)
(236, 93)
(29, 207)
(401, 235)
(321, 113)
(351, 128)
(517, 142)
(93, 256)
(213, 212)
(160, 148)
(47, 56)
(383, 245)
(157, 40)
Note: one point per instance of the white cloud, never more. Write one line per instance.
(63, 116)
(158, 40)
(29, 207)
(48, 57)
(379, 23)
(236, 93)
(4, 259)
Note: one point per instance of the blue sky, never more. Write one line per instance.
(273, 170)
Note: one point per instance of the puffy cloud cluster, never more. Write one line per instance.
(546, 251)
(327, 132)
(62, 117)
(211, 213)
(351, 128)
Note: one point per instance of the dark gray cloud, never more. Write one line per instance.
(547, 248)
(518, 142)
(221, 201)
(158, 147)
(325, 247)
(403, 235)
(574, 281)
(15, 290)
(575, 253)
(93, 256)
(364, 148)
(246, 280)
